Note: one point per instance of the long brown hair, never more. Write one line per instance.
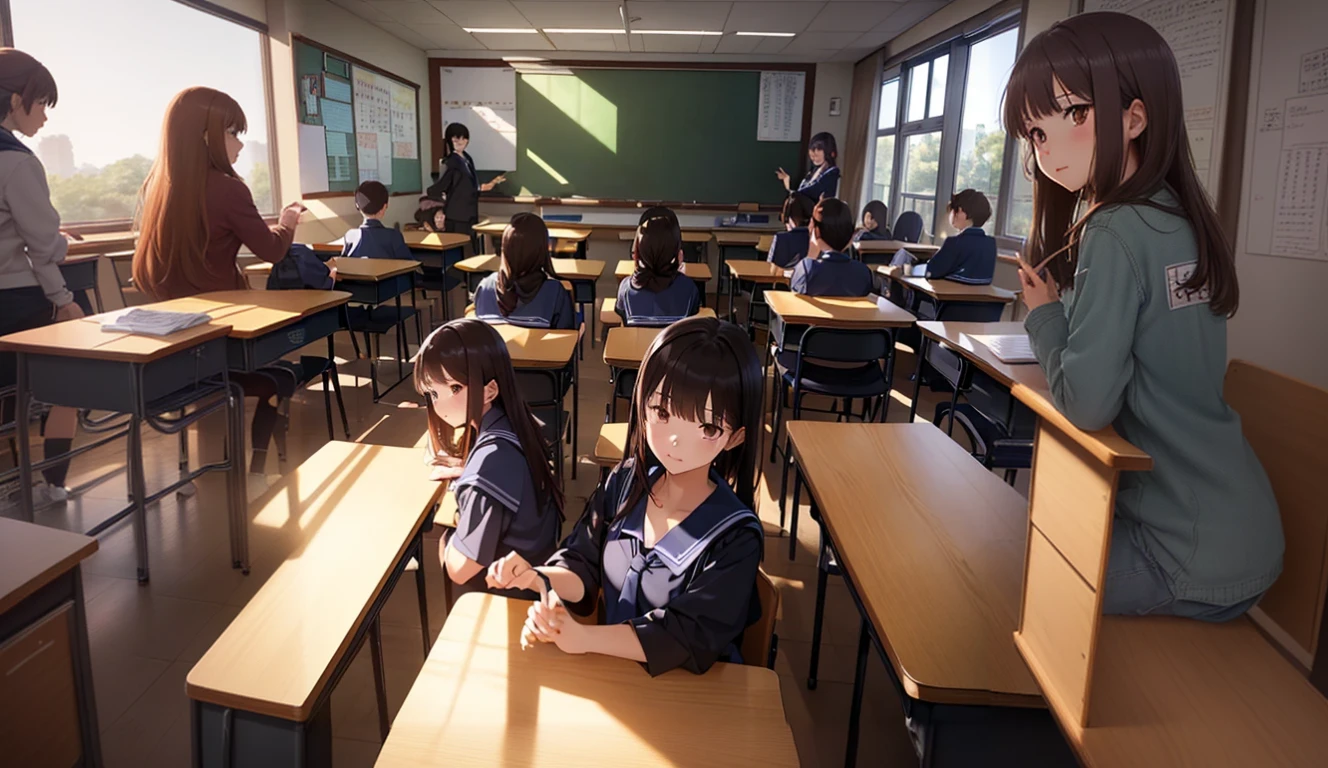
(525, 264)
(1110, 60)
(173, 220)
(693, 360)
(657, 249)
(471, 353)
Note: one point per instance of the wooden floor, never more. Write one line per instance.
(145, 638)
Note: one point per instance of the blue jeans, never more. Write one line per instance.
(1137, 586)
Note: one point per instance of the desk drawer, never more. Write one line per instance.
(39, 721)
(108, 385)
(271, 347)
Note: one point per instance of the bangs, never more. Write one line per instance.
(692, 370)
(41, 88)
(1031, 93)
(442, 358)
(232, 116)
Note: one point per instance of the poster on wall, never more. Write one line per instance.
(373, 115)
(484, 100)
(779, 112)
(404, 122)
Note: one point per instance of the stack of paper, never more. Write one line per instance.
(1007, 348)
(154, 322)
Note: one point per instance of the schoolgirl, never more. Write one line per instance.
(524, 291)
(657, 292)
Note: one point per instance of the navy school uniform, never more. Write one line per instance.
(968, 257)
(496, 502)
(688, 598)
(789, 247)
(825, 185)
(881, 233)
(831, 274)
(374, 241)
(638, 306)
(550, 308)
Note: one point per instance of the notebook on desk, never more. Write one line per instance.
(1008, 348)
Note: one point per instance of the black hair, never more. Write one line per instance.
(454, 131)
(973, 203)
(22, 74)
(825, 141)
(798, 209)
(656, 211)
(880, 214)
(657, 252)
(371, 197)
(832, 223)
(525, 264)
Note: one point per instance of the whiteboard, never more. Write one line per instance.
(484, 100)
(1200, 35)
(1284, 203)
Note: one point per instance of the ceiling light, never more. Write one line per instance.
(675, 32)
(501, 30)
(765, 34)
(586, 31)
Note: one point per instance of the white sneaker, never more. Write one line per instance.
(413, 565)
(43, 495)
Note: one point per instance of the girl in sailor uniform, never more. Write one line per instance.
(525, 291)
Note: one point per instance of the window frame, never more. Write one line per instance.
(265, 67)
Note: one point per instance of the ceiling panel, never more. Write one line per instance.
(592, 14)
(667, 43)
(500, 42)
(481, 13)
(735, 44)
(410, 11)
(853, 15)
(771, 16)
(370, 11)
(662, 14)
(817, 41)
(585, 42)
(911, 13)
(771, 45)
(448, 36)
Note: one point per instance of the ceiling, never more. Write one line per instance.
(835, 30)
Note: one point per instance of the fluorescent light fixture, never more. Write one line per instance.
(585, 31)
(766, 34)
(501, 30)
(676, 32)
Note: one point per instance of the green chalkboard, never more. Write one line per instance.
(642, 134)
(332, 71)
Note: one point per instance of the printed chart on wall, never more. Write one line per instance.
(373, 125)
(484, 100)
(1199, 33)
(1286, 205)
(779, 112)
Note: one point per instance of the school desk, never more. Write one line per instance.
(949, 350)
(931, 546)
(439, 250)
(143, 377)
(103, 243)
(949, 300)
(747, 242)
(792, 313)
(372, 283)
(259, 695)
(48, 715)
(482, 701)
(692, 236)
(608, 315)
(80, 273)
(626, 347)
(610, 445)
(760, 273)
(920, 251)
(577, 236)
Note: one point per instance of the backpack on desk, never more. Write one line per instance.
(302, 268)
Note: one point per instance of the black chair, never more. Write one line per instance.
(373, 321)
(868, 357)
(908, 227)
(544, 391)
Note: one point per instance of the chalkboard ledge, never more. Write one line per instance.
(325, 195)
(602, 203)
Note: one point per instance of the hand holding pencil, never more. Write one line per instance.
(1037, 289)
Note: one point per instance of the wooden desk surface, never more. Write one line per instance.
(103, 242)
(608, 315)
(949, 290)
(696, 270)
(626, 347)
(482, 701)
(333, 248)
(491, 227)
(255, 313)
(688, 235)
(763, 245)
(568, 269)
(78, 258)
(747, 236)
(935, 546)
(1183, 692)
(373, 270)
(537, 347)
(32, 556)
(362, 506)
(570, 232)
(797, 309)
(442, 241)
(890, 246)
(757, 271)
(1027, 383)
(84, 338)
(611, 444)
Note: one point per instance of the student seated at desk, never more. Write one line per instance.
(791, 246)
(508, 498)
(657, 293)
(371, 239)
(875, 225)
(667, 547)
(1140, 343)
(525, 291)
(833, 272)
(970, 256)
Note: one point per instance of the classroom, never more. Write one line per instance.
(663, 383)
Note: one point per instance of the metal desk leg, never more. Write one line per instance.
(917, 378)
(138, 492)
(419, 588)
(855, 708)
(22, 404)
(380, 675)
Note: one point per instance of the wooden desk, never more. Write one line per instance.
(103, 243)
(365, 507)
(334, 248)
(742, 238)
(764, 244)
(373, 270)
(482, 701)
(949, 290)
(688, 236)
(610, 445)
(440, 241)
(374, 282)
(567, 269)
(608, 315)
(626, 347)
(48, 714)
(698, 271)
(919, 250)
(759, 273)
(931, 545)
(537, 347)
(825, 312)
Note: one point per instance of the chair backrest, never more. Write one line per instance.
(1286, 422)
(908, 227)
(759, 637)
(843, 345)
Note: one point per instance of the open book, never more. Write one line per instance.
(1010, 348)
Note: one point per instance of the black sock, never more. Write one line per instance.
(54, 446)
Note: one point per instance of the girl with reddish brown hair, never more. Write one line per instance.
(1129, 323)
(196, 214)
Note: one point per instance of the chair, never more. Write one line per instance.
(544, 391)
(760, 644)
(806, 371)
(378, 321)
(908, 227)
(999, 443)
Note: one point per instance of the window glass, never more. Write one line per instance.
(981, 135)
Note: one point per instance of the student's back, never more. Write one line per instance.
(524, 291)
(549, 307)
(657, 293)
(968, 257)
(373, 240)
(832, 273)
(790, 246)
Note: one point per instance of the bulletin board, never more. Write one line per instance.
(356, 123)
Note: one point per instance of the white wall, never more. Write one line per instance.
(335, 27)
(254, 9)
(832, 79)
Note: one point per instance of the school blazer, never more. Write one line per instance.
(831, 274)
(372, 240)
(550, 307)
(788, 248)
(827, 184)
(968, 257)
(459, 188)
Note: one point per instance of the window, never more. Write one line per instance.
(936, 103)
(981, 135)
(889, 105)
(887, 125)
(922, 154)
(117, 68)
